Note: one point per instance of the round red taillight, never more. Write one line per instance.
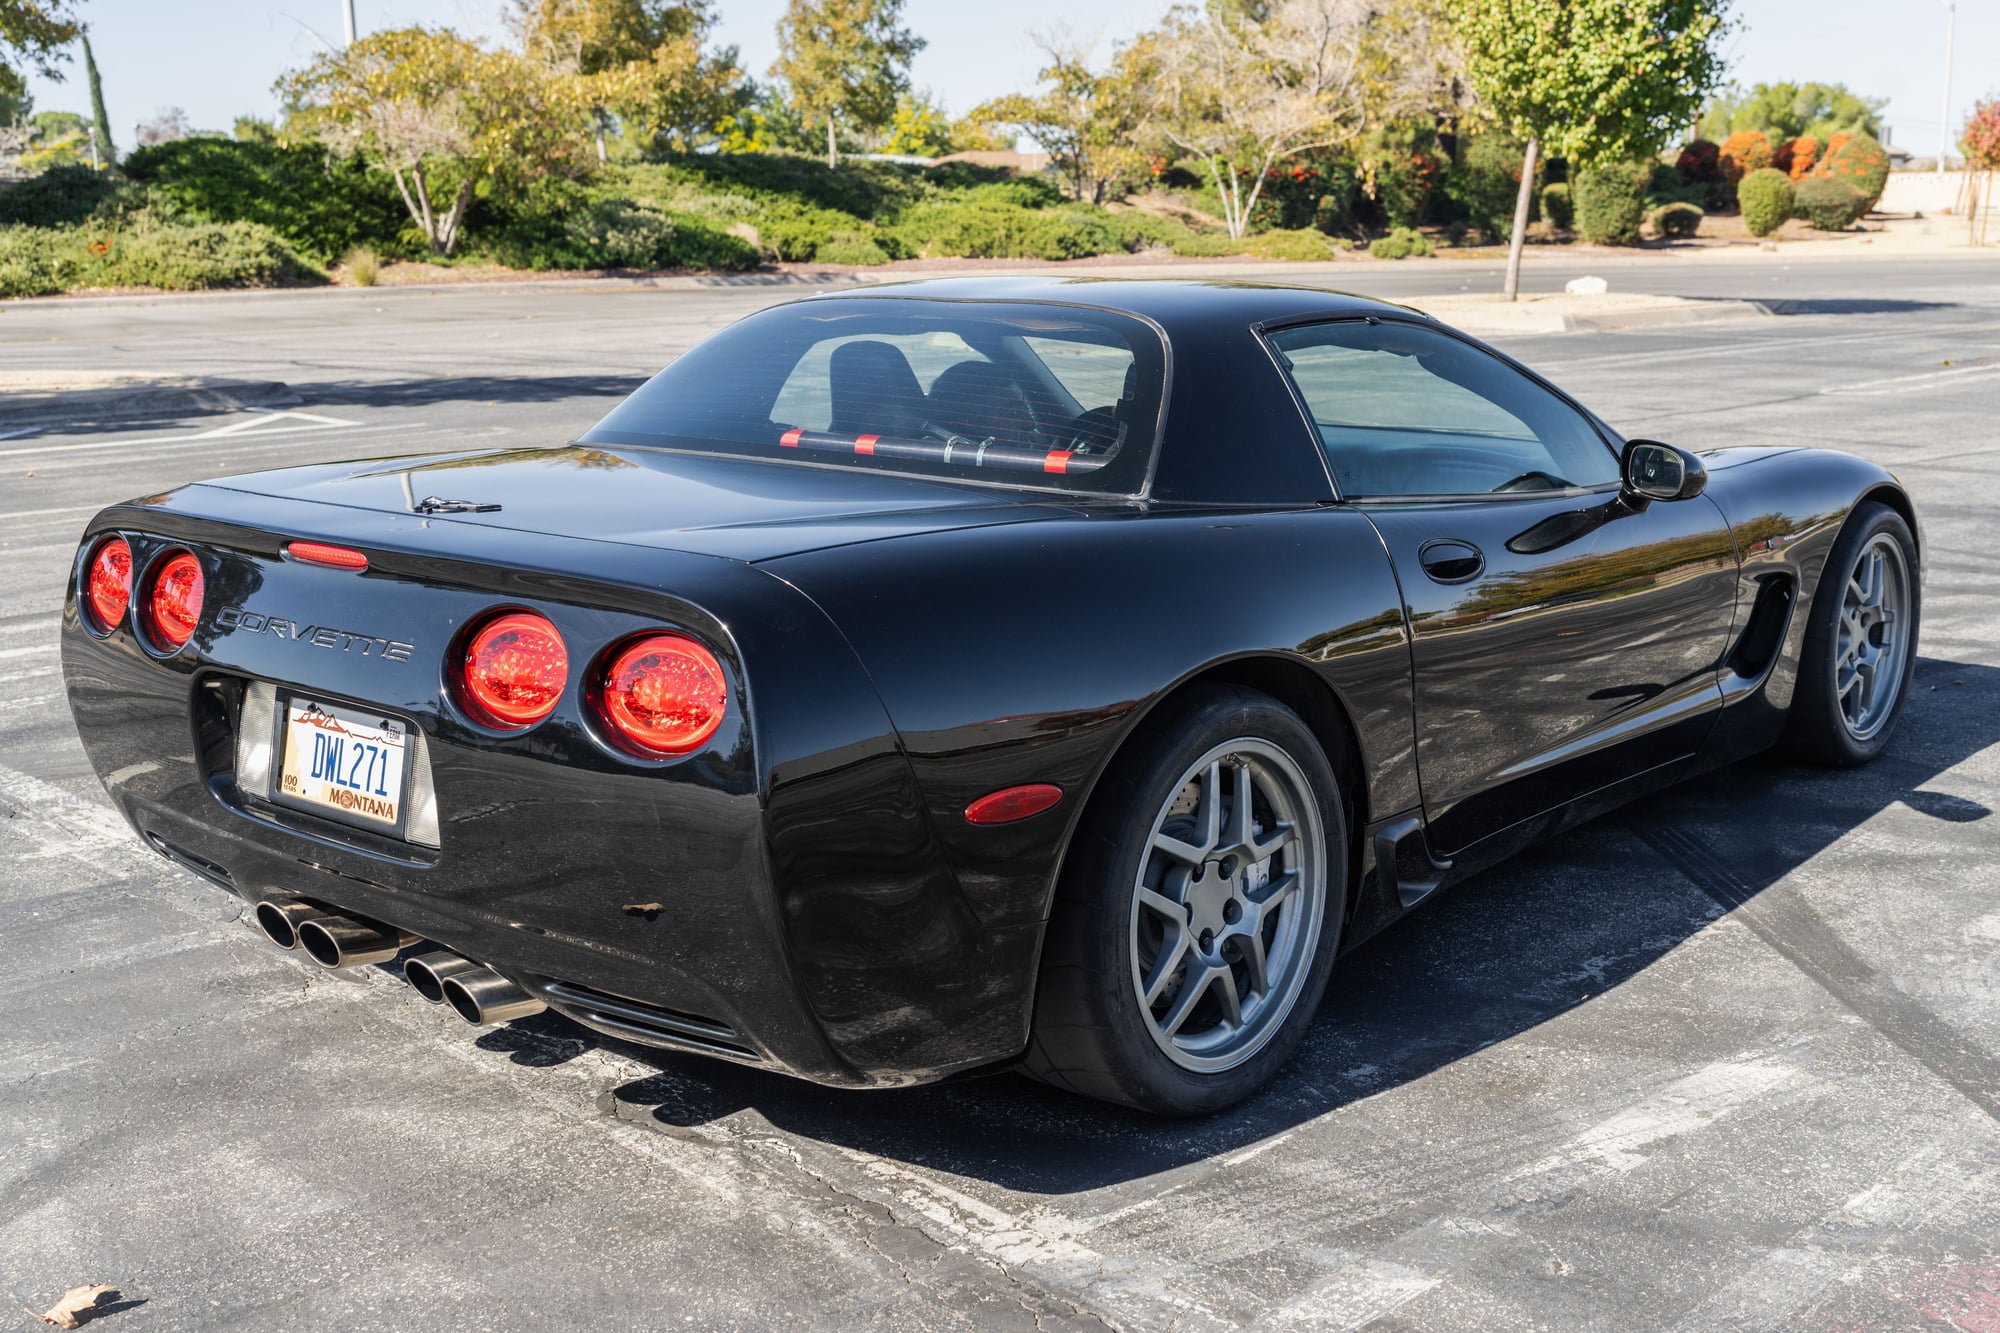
(515, 670)
(664, 694)
(108, 586)
(175, 604)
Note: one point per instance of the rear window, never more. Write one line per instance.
(1024, 395)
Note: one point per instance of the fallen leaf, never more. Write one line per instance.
(643, 909)
(76, 1301)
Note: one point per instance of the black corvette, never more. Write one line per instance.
(1057, 674)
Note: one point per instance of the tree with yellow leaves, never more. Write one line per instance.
(845, 61)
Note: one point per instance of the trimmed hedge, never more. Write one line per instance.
(1610, 203)
(1557, 206)
(1828, 203)
(144, 252)
(1860, 161)
(1676, 221)
(1402, 243)
(1766, 199)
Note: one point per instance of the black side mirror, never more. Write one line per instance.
(1655, 471)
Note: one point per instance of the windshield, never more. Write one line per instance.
(1024, 395)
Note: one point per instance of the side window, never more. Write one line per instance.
(1403, 410)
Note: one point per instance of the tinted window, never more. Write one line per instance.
(1403, 410)
(1022, 394)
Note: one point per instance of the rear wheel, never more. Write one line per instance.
(1198, 912)
(1861, 643)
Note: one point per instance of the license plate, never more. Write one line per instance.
(344, 761)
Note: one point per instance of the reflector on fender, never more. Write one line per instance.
(333, 557)
(1012, 803)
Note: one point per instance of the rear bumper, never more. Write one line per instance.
(764, 900)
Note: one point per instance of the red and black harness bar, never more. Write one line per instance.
(958, 450)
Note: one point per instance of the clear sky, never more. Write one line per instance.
(216, 59)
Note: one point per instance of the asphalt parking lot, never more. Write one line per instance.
(1729, 1060)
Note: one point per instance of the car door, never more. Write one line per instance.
(1564, 636)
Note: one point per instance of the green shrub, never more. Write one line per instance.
(851, 247)
(325, 205)
(1766, 199)
(1487, 182)
(562, 226)
(1610, 203)
(1401, 243)
(1299, 246)
(1676, 221)
(975, 231)
(146, 252)
(1556, 206)
(1828, 203)
(1861, 162)
(1206, 245)
(59, 197)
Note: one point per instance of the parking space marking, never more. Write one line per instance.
(313, 426)
(1356, 1296)
(1925, 382)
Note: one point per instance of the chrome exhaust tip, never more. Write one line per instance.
(482, 996)
(281, 918)
(428, 972)
(340, 941)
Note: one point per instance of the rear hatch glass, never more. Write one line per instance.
(999, 392)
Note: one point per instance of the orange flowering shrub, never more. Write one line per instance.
(1795, 157)
(1744, 152)
(1981, 141)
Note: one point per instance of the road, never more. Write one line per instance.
(1730, 1060)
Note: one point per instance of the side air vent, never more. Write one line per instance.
(1757, 647)
(645, 1022)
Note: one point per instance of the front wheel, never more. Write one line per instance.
(1198, 913)
(1861, 643)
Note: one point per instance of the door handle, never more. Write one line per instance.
(1448, 560)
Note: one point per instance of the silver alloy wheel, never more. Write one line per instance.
(1872, 638)
(1227, 908)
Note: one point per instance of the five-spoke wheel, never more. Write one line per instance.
(1860, 643)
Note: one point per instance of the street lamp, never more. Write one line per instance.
(1944, 116)
(347, 12)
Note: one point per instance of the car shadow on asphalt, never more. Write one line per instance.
(1856, 305)
(1509, 951)
(428, 390)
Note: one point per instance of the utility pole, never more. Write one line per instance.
(347, 12)
(1944, 116)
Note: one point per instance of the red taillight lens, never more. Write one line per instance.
(108, 588)
(175, 605)
(664, 694)
(333, 557)
(515, 670)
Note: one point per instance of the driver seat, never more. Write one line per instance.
(873, 391)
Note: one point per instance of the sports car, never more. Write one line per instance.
(1052, 674)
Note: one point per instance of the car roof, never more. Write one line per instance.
(1169, 302)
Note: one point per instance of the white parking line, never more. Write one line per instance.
(43, 513)
(1910, 383)
(313, 424)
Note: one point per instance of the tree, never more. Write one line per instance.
(1087, 121)
(168, 124)
(15, 103)
(445, 117)
(1783, 111)
(641, 61)
(37, 31)
(99, 119)
(920, 127)
(845, 61)
(1242, 87)
(1594, 81)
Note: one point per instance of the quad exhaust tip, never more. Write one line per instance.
(329, 939)
(482, 996)
(428, 972)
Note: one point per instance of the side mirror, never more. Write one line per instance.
(1655, 471)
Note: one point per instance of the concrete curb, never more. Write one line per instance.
(130, 402)
(1701, 312)
(508, 287)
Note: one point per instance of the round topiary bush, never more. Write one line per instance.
(1828, 203)
(1795, 157)
(1861, 162)
(1744, 152)
(1699, 163)
(1402, 243)
(1610, 203)
(1766, 199)
(1557, 206)
(1676, 221)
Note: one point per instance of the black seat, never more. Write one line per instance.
(874, 391)
(984, 400)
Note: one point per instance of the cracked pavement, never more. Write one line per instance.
(1727, 1060)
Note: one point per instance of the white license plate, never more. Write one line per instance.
(344, 760)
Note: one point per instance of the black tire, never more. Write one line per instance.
(1091, 1034)
(1818, 729)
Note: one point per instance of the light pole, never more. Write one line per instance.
(1944, 116)
(347, 12)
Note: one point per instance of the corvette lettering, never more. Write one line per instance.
(319, 636)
